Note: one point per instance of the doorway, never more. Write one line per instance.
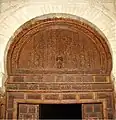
(66, 60)
(60, 111)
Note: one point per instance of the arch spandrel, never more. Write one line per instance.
(52, 44)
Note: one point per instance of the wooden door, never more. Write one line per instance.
(28, 111)
(92, 111)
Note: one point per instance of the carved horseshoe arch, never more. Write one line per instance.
(50, 44)
(60, 60)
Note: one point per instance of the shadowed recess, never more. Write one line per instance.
(60, 111)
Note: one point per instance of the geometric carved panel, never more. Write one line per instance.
(59, 48)
(93, 111)
(28, 111)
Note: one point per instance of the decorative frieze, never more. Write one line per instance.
(58, 87)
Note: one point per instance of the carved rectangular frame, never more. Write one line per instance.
(17, 101)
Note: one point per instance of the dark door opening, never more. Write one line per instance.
(60, 111)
